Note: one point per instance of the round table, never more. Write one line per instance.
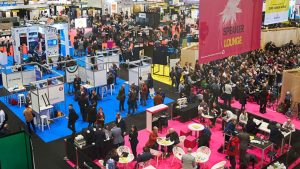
(207, 116)
(196, 127)
(200, 158)
(164, 142)
(126, 160)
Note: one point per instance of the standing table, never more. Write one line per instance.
(196, 128)
(150, 112)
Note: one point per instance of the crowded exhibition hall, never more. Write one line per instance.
(150, 84)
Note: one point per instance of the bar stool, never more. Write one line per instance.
(112, 88)
(44, 121)
(103, 91)
(21, 99)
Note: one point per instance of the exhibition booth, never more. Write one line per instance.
(139, 68)
(42, 40)
(280, 36)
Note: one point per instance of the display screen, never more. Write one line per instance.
(52, 42)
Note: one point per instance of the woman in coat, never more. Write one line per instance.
(133, 139)
(233, 150)
(100, 118)
(121, 97)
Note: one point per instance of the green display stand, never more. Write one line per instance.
(16, 151)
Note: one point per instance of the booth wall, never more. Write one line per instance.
(100, 78)
(280, 36)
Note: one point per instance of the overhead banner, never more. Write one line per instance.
(228, 27)
(276, 11)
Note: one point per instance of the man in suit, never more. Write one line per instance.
(118, 139)
(72, 119)
(244, 141)
(83, 103)
(100, 137)
(121, 123)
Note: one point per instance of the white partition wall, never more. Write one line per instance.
(139, 68)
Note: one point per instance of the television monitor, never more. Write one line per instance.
(52, 42)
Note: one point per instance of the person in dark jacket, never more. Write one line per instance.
(99, 142)
(173, 136)
(204, 138)
(83, 103)
(76, 83)
(263, 100)
(121, 123)
(72, 119)
(276, 135)
(133, 139)
(243, 99)
(121, 97)
(143, 157)
(244, 141)
(94, 97)
(252, 127)
(92, 112)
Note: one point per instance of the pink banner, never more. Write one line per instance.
(228, 27)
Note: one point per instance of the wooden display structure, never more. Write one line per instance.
(150, 112)
(291, 83)
(189, 54)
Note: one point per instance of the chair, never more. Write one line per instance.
(205, 152)
(178, 152)
(112, 88)
(190, 142)
(21, 99)
(157, 154)
(123, 149)
(144, 164)
(103, 91)
(185, 132)
(219, 165)
(181, 141)
(44, 121)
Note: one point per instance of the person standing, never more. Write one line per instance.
(133, 139)
(227, 94)
(121, 97)
(100, 118)
(121, 123)
(94, 97)
(118, 139)
(188, 161)
(244, 139)
(92, 111)
(232, 150)
(83, 103)
(157, 99)
(28, 113)
(72, 119)
(263, 100)
(100, 137)
(131, 101)
(144, 94)
(76, 83)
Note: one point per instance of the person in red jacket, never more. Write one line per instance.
(232, 150)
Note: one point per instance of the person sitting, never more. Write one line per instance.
(288, 125)
(227, 116)
(151, 143)
(188, 161)
(230, 127)
(252, 127)
(111, 159)
(243, 118)
(202, 109)
(276, 135)
(143, 157)
(172, 136)
(204, 139)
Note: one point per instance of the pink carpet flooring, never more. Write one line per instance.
(216, 142)
(270, 114)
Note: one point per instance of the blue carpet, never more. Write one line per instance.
(59, 128)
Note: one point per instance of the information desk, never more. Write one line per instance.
(152, 111)
(187, 113)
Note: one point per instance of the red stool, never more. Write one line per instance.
(185, 132)
(190, 142)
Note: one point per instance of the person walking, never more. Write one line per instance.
(133, 139)
(232, 150)
(72, 118)
(28, 113)
(121, 97)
